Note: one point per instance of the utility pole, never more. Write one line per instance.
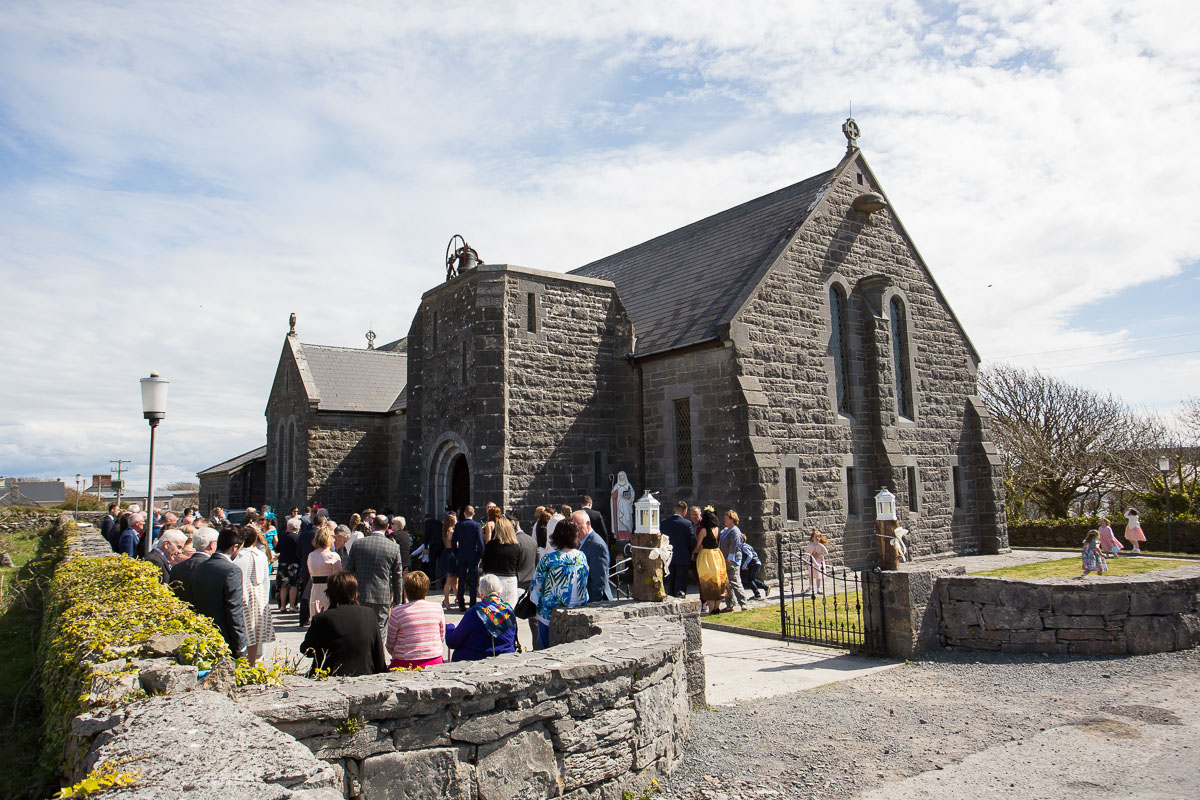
(120, 468)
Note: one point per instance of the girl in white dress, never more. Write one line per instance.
(1133, 530)
(323, 561)
(252, 560)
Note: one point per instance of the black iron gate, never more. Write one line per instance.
(828, 605)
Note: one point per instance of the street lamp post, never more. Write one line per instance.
(154, 409)
(78, 484)
(1164, 466)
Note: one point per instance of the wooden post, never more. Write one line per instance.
(647, 572)
(889, 556)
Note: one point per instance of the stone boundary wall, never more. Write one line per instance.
(604, 712)
(16, 518)
(1185, 536)
(589, 718)
(1149, 613)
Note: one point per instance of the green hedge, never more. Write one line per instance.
(101, 609)
(1185, 536)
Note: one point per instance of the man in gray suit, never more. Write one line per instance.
(217, 590)
(375, 562)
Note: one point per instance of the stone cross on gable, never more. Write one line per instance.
(851, 132)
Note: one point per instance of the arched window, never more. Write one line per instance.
(839, 346)
(280, 464)
(903, 378)
(291, 462)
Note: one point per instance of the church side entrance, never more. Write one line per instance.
(460, 482)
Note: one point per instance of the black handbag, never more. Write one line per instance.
(525, 608)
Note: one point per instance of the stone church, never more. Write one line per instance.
(786, 358)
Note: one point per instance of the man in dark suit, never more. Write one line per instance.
(596, 518)
(166, 551)
(204, 540)
(131, 537)
(108, 526)
(375, 562)
(682, 535)
(595, 550)
(217, 590)
(467, 544)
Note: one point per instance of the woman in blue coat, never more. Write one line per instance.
(489, 627)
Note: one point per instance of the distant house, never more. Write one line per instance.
(12, 496)
(236, 483)
(43, 493)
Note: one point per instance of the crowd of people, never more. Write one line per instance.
(362, 588)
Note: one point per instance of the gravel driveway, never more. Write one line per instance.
(961, 724)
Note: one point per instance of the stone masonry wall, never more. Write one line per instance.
(348, 462)
(584, 719)
(287, 404)
(782, 337)
(1148, 613)
(569, 409)
(535, 407)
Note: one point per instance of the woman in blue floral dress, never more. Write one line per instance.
(560, 580)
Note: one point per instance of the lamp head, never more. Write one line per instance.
(154, 398)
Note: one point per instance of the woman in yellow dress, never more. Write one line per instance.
(710, 563)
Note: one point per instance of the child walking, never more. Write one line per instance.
(816, 560)
(1093, 557)
(1133, 530)
(1108, 540)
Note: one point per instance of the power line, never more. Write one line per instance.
(1094, 346)
(1121, 360)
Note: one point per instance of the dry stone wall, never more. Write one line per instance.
(585, 719)
(1149, 613)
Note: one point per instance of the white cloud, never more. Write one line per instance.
(175, 179)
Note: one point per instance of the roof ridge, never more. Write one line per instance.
(394, 353)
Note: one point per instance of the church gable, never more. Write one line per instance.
(680, 287)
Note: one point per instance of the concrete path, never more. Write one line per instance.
(741, 667)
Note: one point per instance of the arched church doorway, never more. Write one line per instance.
(460, 482)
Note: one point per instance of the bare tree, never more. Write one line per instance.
(1062, 443)
(1189, 421)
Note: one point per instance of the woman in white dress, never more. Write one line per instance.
(252, 560)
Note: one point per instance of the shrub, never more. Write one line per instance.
(101, 609)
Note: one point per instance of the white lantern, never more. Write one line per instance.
(885, 505)
(647, 514)
(154, 398)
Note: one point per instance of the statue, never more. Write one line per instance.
(622, 508)
(292, 323)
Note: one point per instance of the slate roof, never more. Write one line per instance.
(680, 287)
(353, 379)
(236, 463)
(43, 492)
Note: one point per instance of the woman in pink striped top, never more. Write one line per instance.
(416, 631)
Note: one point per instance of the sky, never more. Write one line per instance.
(176, 178)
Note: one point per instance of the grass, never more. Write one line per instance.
(1070, 567)
(34, 558)
(808, 618)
